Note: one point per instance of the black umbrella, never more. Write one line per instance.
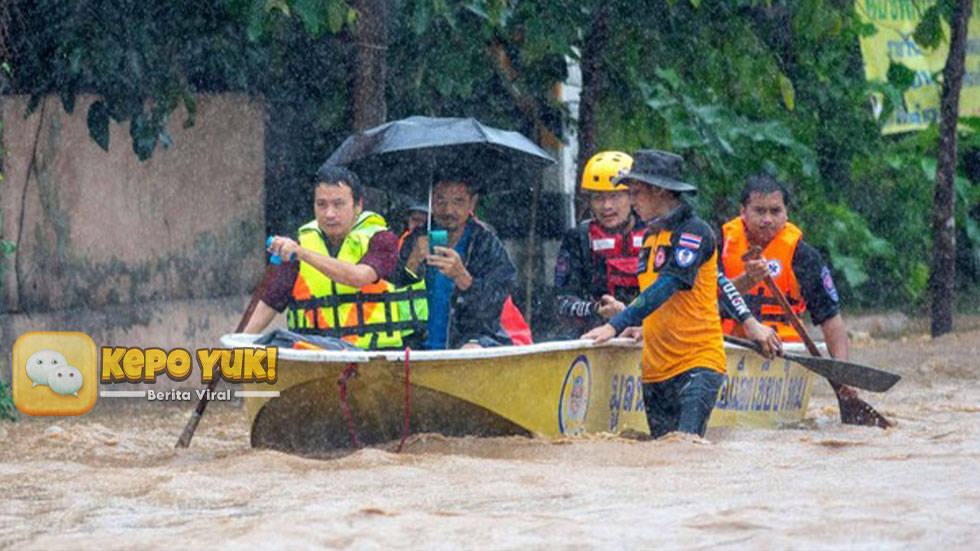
(411, 154)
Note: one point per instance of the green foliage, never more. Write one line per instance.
(142, 59)
(7, 408)
(262, 19)
(723, 146)
(6, 247)
(778, 87)
(736, 86)
(929, 32)
(8, 411)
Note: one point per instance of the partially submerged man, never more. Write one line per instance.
(466, 281)
(797, 270)
(683, 363)
(595, 272)
(334, 283)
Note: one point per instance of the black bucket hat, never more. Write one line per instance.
(657, 168)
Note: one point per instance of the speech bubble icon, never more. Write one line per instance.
(65, 380)
(41, 363)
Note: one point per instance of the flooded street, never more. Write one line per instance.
(112, 480)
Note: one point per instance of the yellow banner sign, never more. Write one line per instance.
(895, 21)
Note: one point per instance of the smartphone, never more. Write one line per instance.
(274, 258)
(437, 238)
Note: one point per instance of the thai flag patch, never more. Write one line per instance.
(689, 240)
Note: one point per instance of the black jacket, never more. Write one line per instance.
(580, 281)
(474, 314)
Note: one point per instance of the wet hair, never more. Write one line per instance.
(333, 175)
(763, 184)
(471, 187)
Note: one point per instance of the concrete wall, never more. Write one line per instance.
(161, 252)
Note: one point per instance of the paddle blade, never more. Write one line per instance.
(848, 373)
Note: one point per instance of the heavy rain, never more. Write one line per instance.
(489, 274)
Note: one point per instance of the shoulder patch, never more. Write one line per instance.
(828, 284)
(660, 259)
(684, 257)
(562, 267)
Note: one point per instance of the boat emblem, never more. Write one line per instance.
(573, 403)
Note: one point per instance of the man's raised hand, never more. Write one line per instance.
(448, 262)
(608, 306)
(284, 247)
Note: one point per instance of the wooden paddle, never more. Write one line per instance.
(191, 426)
(849, 373)
(853, 410)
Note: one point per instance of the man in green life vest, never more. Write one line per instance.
(334, 283)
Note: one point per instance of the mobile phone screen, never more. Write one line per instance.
(437, 238)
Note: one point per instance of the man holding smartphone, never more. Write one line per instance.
(467, 278)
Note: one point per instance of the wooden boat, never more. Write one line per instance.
(545, 390)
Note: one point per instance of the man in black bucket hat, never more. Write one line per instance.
(683, 351)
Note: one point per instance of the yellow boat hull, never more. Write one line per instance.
(547, 390)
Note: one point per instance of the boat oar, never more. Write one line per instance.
(849, 373)
(852, 408)
(191, 426)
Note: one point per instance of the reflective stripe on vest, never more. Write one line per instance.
(374, 316)
(620, 257)
(779, 253)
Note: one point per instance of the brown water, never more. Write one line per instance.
(111, 480)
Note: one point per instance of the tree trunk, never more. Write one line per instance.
(943, 274)
(370, 49)
(595, 46)
(529, 108)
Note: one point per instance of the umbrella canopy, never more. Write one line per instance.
(411, 154)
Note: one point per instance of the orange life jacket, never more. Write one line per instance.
(779, 254)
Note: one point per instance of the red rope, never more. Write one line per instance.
(349, 372)
(408, 400)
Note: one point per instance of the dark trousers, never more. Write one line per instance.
(682, 403)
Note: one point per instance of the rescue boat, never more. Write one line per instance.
(547, 390)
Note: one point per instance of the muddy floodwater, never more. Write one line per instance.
(112, 480)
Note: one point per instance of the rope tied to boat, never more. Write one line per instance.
(408, 400)
(350, 372)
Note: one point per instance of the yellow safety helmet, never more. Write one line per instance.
(602, 168)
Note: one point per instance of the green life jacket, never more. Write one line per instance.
(375, 316)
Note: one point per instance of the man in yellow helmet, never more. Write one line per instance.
(335, 282)
(595, 272)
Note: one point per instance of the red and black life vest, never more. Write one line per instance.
(620, 253)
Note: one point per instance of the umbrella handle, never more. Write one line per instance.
(428, 215)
